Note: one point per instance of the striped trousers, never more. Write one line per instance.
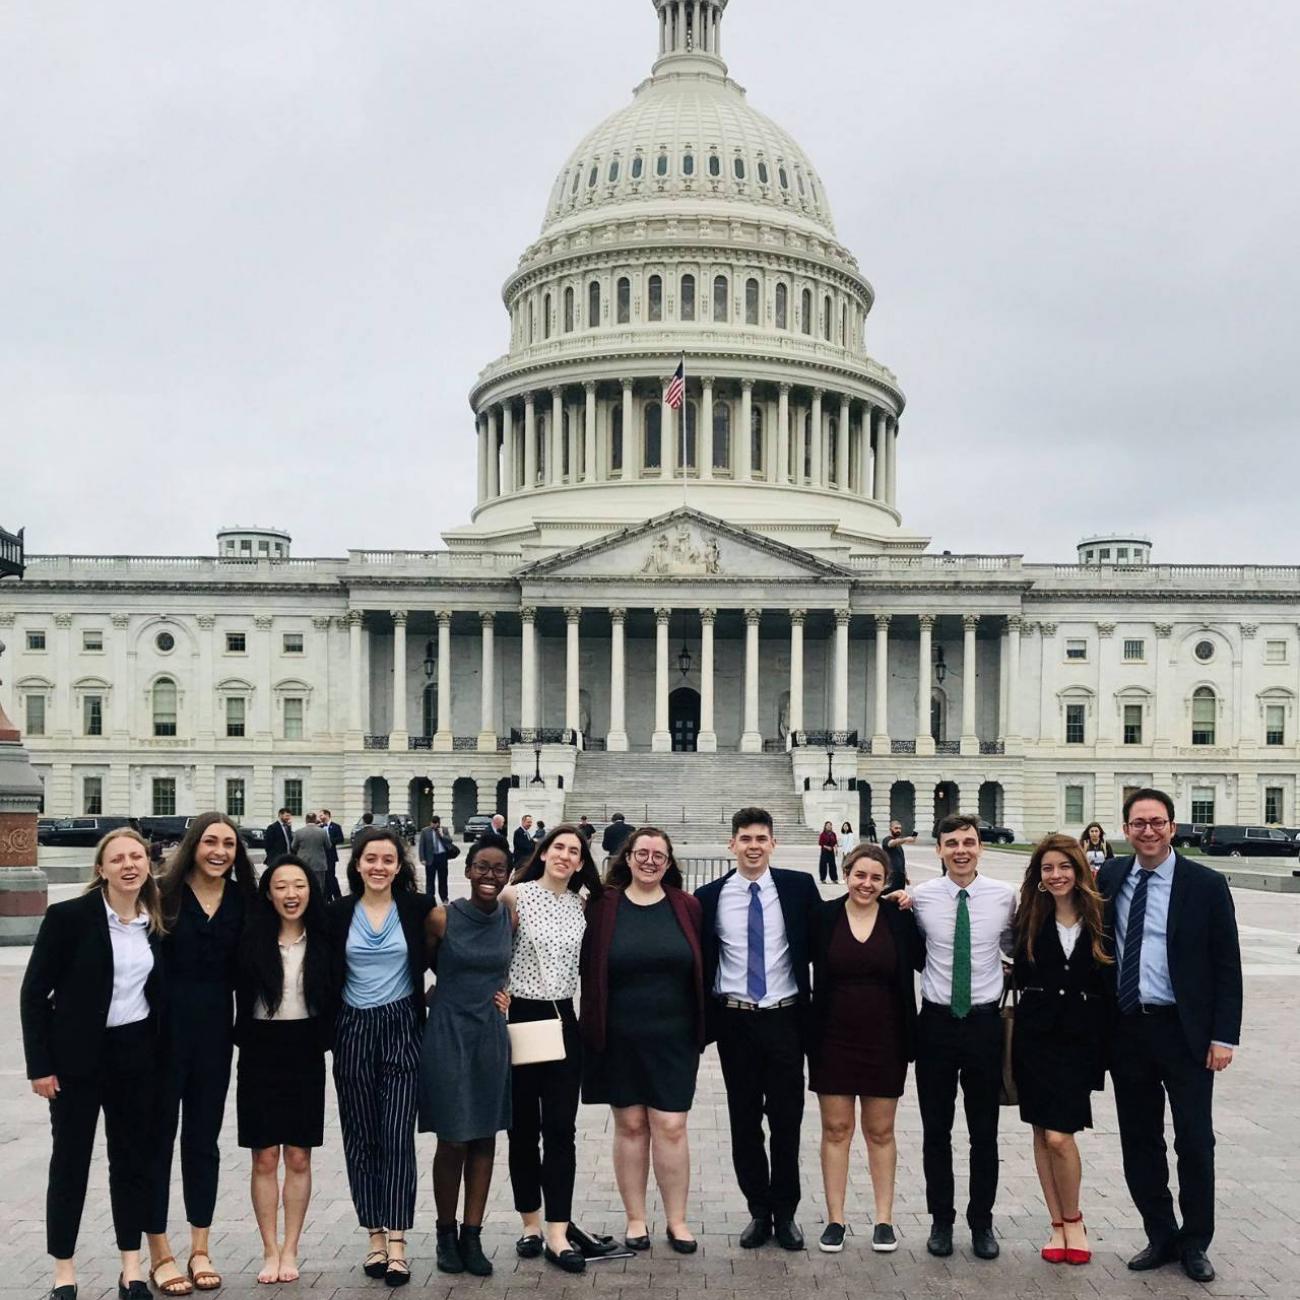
(376, 1068)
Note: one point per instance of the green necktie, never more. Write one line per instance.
(961, 958)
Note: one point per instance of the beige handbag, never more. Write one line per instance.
(533, 1042)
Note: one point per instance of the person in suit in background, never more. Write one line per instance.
(522, 842)
(755, 924)
(311, 844)
(498, 825)
(585, 828)
(333, 838)
(367, 821)
(90, 1006)
(435, 852)
(1178, 992)
(279, 836)
(615, 833)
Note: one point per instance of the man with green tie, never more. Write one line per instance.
(966, 919)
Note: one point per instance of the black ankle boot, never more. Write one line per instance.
(449, 1257)
(471, 1252)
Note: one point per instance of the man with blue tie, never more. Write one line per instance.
(1178, 995)
(756, 969)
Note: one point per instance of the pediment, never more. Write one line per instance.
(684, 544)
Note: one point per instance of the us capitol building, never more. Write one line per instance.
(666, 612)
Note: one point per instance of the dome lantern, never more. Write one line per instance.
(690, 36)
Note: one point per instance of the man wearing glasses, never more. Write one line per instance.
(1177, 979)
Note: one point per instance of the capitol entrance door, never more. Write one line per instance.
(684, 719)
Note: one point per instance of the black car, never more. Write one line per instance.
(164, 830)
(80, 832)
(254, 837)
(398, 822)
(1249, 842)
(1187, 835)
(990, 834)
(475, 826)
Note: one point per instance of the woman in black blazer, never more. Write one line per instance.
(91, 1008)
(1058, 1047)
(862, 1034)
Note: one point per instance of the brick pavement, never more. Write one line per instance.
(1256, 1251)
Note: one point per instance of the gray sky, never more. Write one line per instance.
(251, 254)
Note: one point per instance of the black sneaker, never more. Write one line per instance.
(940, 1240)
(884, 1239)
(832, 1239)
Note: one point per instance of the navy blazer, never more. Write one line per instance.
(1204, 951)
(800, 900)
(278, 840)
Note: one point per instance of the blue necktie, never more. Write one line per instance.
(1130, 975)
(756, 967)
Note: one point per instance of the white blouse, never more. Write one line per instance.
(1069, 936)
(293, 1001)
(132, 966)
(548, 943)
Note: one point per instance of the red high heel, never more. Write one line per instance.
(1072, 1254)
(1054, 1254)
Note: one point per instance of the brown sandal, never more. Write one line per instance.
(204, 1279)
(174, 1285)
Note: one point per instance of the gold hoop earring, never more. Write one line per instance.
(1042, 888)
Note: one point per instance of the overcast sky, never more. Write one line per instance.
(251, 254)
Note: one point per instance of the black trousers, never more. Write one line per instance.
(124, 1090)
(762, 1066)
(1152, 1061)
(966, 1052)
(544, 1109)
(435, 877)
(826, 866)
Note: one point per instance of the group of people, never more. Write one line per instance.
(138, 991)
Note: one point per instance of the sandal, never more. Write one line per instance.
(173, 1285)
(398, 1272)
(205, 1279)
(376, 1261)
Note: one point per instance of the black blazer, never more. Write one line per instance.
(412, 908)
(333, 838)
(908, 943)
(68, 989)
(523, 844)
(1204, 951)
(800, 899)
(278, 841)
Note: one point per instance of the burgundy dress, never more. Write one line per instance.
(861, 1053)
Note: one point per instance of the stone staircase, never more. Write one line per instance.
(691, 796)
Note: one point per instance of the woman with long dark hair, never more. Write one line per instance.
(283, 1027)
(547, 901)
(1096, 847)
(90, 1006)
(642, 1026)
(1057, 1050)
(207, 886)
(378, 959)
(828, 844)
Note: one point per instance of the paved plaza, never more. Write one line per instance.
(1256, 1250)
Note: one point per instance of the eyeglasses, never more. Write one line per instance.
(1142, 824)
(655, 859)
(491, 869)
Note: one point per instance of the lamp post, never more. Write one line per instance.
(830, 782)
(537, 764)
(940, 668)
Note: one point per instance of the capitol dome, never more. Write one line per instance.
(688, 227)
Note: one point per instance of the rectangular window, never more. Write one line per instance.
(1121, 554)
(236, 709)
(36, 715)
(1275, 724)
(36, 640)
(1203, 805)
(1204, 710)
(92, 642)
(292, 643)
(92, 714)
(1104, 553)
(236, 643)
(293, 795)
(1073, 804)
(1076, 649)
(92, 795)
(1273, 796)
(264, 548)
(1135, 650)
(1075, 716)
(1132, 724)
(235, 796)
(293, 712)
(1275, 652)
(164, 796)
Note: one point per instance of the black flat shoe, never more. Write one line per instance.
(1153, 1256)
(529, 1246)
(758, 1232)
(984, 1243)
(939, 1242)
(681, 1245)
(68, 1291)
(637, 1243)
(570, 1260)
(789, 1235)
(471, 1252)
(139, 1290)
(1197, 1266)
(448, 1258)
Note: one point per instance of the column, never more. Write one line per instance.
(751, 739)
(589, 436)
(487, 718)
(842, 448)
(493, 454)
(1004, 653)
(572, 701)
(880, 489)
(818, 436)
(121, 696)
(442, 739)
(355, 621)
(707, 740)
(924, 740)
(782, 467)
(60, 722)
(206, 683)
(662, 741)
(528, 668)
(840, 698)
(555, 467)
(482, 458)
(745, 434)
(704, 434)
(631, 435)
(616, 740)
(796, 669)
(509, 472)
(970, 743)
(399, 730)
(530, 441)
(892, 439)
(667, 438)
(1015, 627)
(880, 739)
(864, 454)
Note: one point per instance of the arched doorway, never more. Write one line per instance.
(376, 800)
(902, 804)
(864, 810)
(991, 802)
(429, 710)
(684, 718)
(938, 716)
(946, 800)
(464, 801)
(420, 800)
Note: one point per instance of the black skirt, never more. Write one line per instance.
(280, 1096)
(1056, 1074)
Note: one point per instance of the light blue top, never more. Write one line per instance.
(1155, 988)
(377, 964)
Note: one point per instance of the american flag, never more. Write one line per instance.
(676, 393)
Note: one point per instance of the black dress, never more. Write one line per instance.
(651, 1055)
(1057, 1049)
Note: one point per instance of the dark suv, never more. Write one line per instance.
(990, 834)
(80, 832)
(1188, 835)
(1249, 842)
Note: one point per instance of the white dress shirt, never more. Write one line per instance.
(293, 1001)
(733, 942)
(132, 966)
(992, 908)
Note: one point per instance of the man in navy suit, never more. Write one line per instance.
(333, 838)
(279, 837)
(1177, 986)
(756, 971)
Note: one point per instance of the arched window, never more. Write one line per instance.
(661, 165)
(546, 317)
(721, 435)
(543, 424)
(638, 165)
(690, 413)
(1204, 715)
(532, 322)
(566, 438)
(616, 438)
(783, 177)
(756, 438)
(715, 165)
(738, 166)
(799, 177)
(805, 301)
(844, 326)
(827, 312)
(654, 423)
(806, 443)
(720, 304)
(832, 438)
(164, 707)
(624, 300)
(594, 176)
(782, 307)
(655, 298)
(688, 164)
(593, 305)
(751, 302)
(429, 709)
(688, 297)
(568, 310)
(762, 172)
(613, 170)
(577, 177)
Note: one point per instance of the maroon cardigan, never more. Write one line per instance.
(595, 960)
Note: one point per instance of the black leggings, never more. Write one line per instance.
(826, 866)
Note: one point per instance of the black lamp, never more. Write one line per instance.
(430, 660)
(830, 782)
(940, 668)
(537, 764)
(684, 659)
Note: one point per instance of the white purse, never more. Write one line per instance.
(533, 1042)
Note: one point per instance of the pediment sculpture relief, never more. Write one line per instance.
(682, 554)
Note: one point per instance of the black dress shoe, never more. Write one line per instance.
(757, 1233)
(638, 1243)
(570, 1260)
(139, 1290)
(683, 1245)
(939, 1242)
(66, 1292)
(1197, 1266)
(529, 1246)
(789, 1235)
(1153, 1256)
(984, 1243)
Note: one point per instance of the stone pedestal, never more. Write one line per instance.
(23, 894)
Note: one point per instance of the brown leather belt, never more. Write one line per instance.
(738, 1004)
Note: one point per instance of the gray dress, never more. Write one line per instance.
(465, 1059)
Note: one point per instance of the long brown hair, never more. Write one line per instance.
(150, 897)
(618, 875)
(534, 865)
(1036, 905)
(177, 868)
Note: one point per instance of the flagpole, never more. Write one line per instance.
(697, 432)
